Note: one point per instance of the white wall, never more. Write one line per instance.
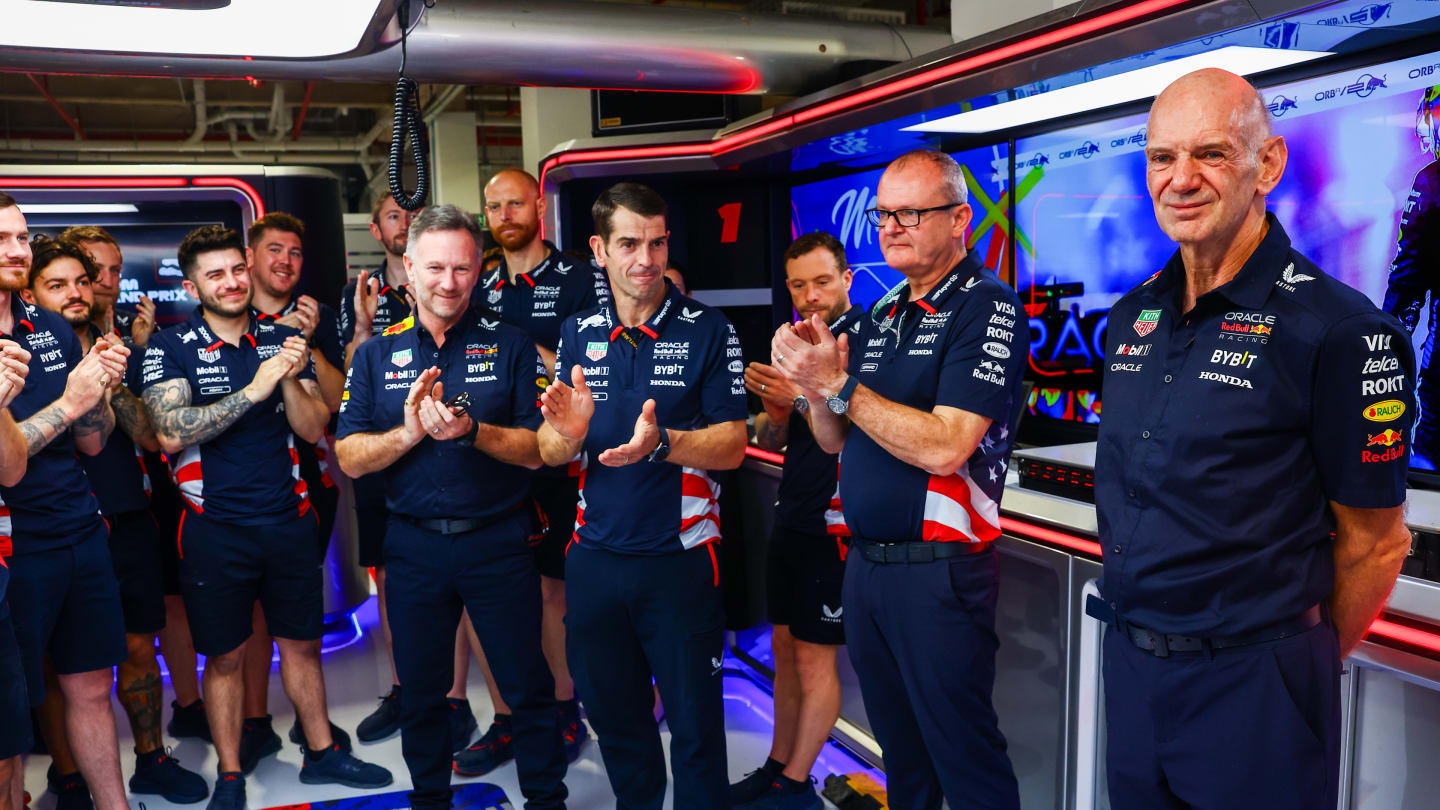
(971, 18)
(549, 116)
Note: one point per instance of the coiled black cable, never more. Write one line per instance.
(409, 124)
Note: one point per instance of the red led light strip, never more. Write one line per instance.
(888, 89)
(140, 183)
(1052, 536)
(765, 455)
(1406, 635)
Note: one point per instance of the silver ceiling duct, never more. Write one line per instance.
(559, 43)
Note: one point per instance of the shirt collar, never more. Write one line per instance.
(211, 341)
(501, 275)
(847, 320)
(257, 315)
(1251, 287)
(964, 270)
(652, 327)
(22, 314)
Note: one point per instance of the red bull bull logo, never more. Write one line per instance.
(1386, 438)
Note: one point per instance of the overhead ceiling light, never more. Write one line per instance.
(280, 29)
(1121, 88)
(78, 208)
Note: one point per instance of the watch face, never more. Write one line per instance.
(837, 405)
(801, 404)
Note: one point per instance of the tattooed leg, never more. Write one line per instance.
(138, 685)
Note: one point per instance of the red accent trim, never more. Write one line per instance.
(499, 282)
(714, 563)
(27, 324)
(250, 338)
(925, 306)
(765, 455)
(238, 184)
(180, 534)
(1405, 635)
(1058, 538)
(385, 289)
(614, 333)
(527, 278)
(213, 346)
(647, 330)
(844, 548)
(93, 182)
(894, 87)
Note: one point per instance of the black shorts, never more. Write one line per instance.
(165, 507)
(556, 498)
(803, 579)
(225, 568)
(15, 729)
(66, 602)
(326, 502)
(370, 523)
(135, 552)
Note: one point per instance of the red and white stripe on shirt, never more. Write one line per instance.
(699, 508)
(958, 511)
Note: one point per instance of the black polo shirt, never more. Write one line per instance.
(52, 505)
(248, 475)
(1229, 429)
(495, 363)
(963, 345)
(540, 300)
(807, 500)
(687, 358)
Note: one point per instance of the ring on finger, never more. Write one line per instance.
(779, 358)
(762, 388)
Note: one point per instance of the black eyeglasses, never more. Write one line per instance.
(907, 217)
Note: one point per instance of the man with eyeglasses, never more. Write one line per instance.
(934, 404)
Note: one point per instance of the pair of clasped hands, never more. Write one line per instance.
(808, 360)
(102, 369)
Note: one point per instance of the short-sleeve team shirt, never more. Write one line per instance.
(687, 358)
(493, 362)
(540, 300)
(962, 345)
(1228, 429)
(249, 475)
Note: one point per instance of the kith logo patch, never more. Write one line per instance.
(1146, 323)
(596, 349)
(401, 358)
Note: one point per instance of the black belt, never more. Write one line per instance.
(915, 552)
(457, 525)
(1161, 645)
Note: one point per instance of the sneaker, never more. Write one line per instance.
(71, 791)
(158, 772)
(783, 794)
(488, 753)
(755, 783)
(229, 793)
(339, 767)
(575, 735)
(189, 721)
(462, 725)
(257, 741)
(337, 736)
(384, 721)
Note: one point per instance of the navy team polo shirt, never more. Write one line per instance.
(326, 338)
(540, 300)
(496, 364)
(249, 475)
(117, 473)
(686, 358)
(963, 345)
(391, 308)
(1228, 429)
(52, 505)
(807, 501)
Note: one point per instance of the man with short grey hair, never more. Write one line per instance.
(446, 403)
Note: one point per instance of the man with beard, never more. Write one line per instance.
(536, 288)
(63, 595)
(656, 399)
(1415, 274)
(807, 549)
(228, 394)
(60, 281)
(135, 328)
(275, 255)
(444, 403)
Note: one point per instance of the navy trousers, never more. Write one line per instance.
(922, 641)
(490, 571)
(631, 617)
(1253, 726)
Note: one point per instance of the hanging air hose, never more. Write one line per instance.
(408, 124)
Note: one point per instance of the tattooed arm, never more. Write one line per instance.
(84, 394)
(94, 427)
(179, 425)
(131, 416)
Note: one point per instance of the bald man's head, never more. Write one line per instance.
(514, 208)
(1210, 157)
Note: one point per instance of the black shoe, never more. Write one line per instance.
(71, 792)
(462, 725)
(229, 793)
(338, 767)
(158, 772)
(575, 735)
(337, 736)
(189, 721)
(257, 741)
(488, 753)
(384, 721)
(784, 794)
(755, 783)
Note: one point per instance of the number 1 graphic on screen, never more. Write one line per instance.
(729, 222)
